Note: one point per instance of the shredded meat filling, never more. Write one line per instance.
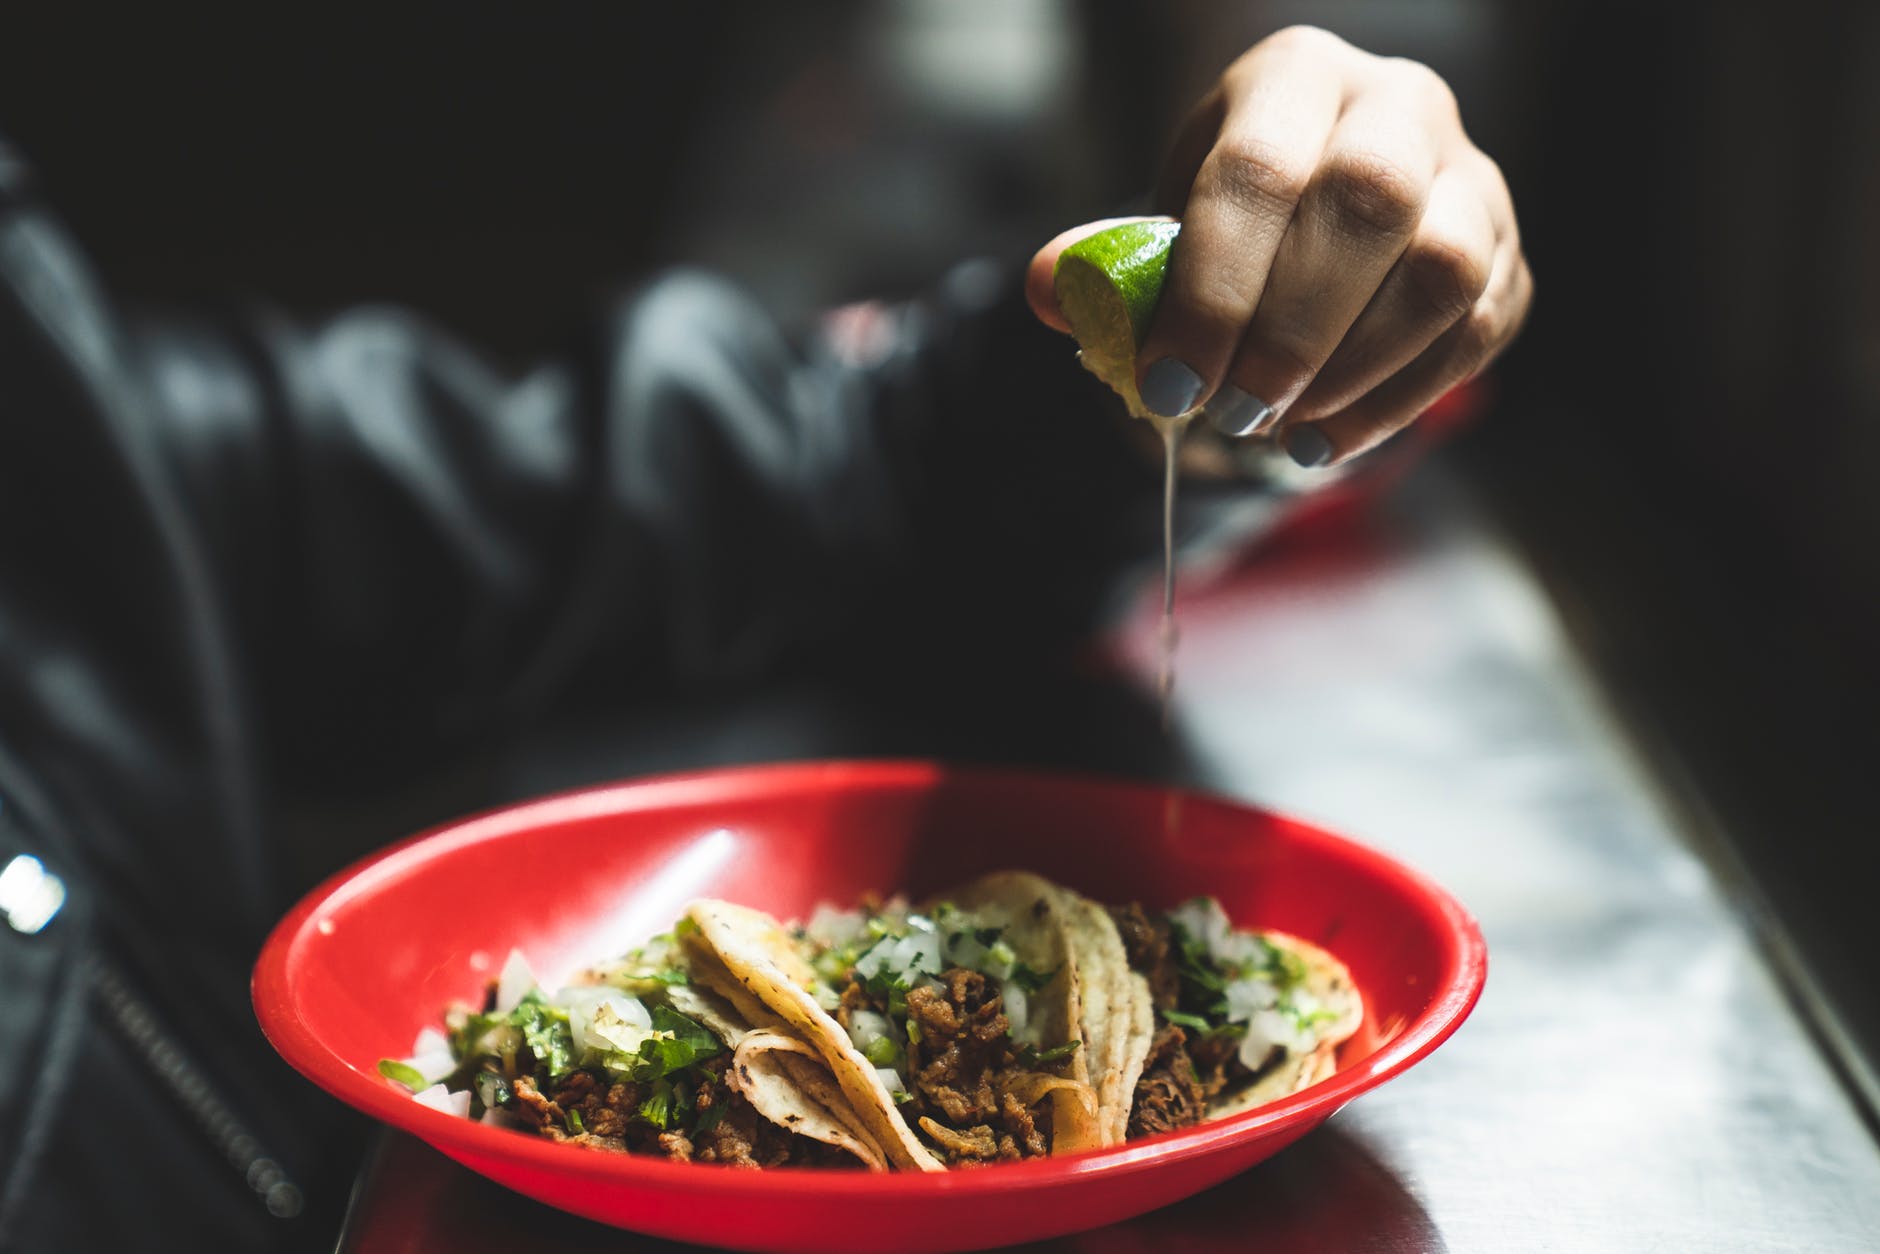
(1146, 940)
(1169, 1095)
(1216, 1058)
(606, 1108)
(976, 1144)
(964, 1046)
(961, 1069)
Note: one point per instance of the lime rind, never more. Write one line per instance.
(1107, 286)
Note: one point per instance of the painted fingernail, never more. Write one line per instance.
(1170, 387)
(1308, 446)
(1234, 412)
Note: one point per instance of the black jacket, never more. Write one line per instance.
(247, 564)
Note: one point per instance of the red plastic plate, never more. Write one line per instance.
(375, 953)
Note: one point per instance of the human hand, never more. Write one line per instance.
(1347, 254)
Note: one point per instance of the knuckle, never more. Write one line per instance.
(1258, 173)
(1286, 357)
(1524, 284)
(1490, 170)
(1478, 337)
(1304, 37)
(1447, 277)
(1372, 192)
(1424, 82)
(1214, 305)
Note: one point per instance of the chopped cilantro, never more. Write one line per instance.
(1291, 965)
(680, 1043)
(546, 1032)
(883, 1052)
(1308, 1018)
(1032, 1056)
(493, 1090)
(889, 989)
(657, 1108)
(467, 1039)
(693, 1033)
(1196, 1022)
(402, 1073)
(660, 1056)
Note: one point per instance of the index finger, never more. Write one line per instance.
(1284, 108)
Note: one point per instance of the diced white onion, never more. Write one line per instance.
(430, 1041)
(580, 1001)
(617, 1023)
(431, 1056)
(866, 1027)
(514, 983)
(918, 951)
(999, 960)
(1246, 998)
(432, 1066)
(966, 951)
(836, 927)
(880, 954)
(1017, 1009)
(1203, 919)
(1240, 949)
(437, 1097)
(503, 1119)
(632, 1010)
(891, 1080)
(1267, 1029)
(1304, 1005)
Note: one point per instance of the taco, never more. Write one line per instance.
(1213, 1020)
(955, 1029)
(644, 1055)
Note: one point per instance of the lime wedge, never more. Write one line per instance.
(1107, 286)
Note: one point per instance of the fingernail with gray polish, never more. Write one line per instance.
(1236, 413)
(1170, 388)
(1308, 446)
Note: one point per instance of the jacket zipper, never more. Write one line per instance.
(185, 1082)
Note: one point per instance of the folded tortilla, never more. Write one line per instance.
(1120, 1020)
(763, 965)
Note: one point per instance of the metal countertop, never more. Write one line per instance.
(1633, 1078)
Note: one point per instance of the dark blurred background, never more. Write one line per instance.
(1684, 443)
